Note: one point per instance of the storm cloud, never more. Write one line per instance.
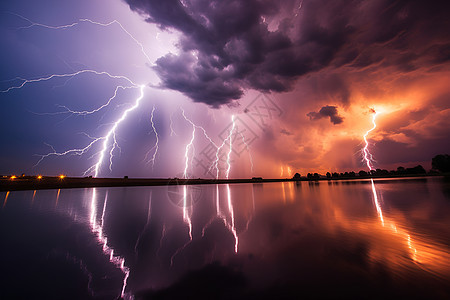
(325, 112)
(227, 47)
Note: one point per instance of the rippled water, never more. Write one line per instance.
(337, 239)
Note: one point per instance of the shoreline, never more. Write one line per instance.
(33, 183)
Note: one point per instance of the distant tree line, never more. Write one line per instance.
(440, 164)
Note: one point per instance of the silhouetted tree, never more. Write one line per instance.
(362, 173)
(328, 175)
(441, 162)
(416, 170)
(401, 170)
(297, 176)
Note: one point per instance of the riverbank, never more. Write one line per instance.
(48, 182)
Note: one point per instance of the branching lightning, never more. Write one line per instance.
(89, 112)
(190, 144)
(110, 143)
(188, 147)
(35, 24)
(156, 146)
(366, 154)
(112, 134)
(172, 131)
(28, 81)
(215, 164)
(109, 138)
(230, 141)
(126, 31)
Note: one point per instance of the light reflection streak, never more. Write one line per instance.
(392, 226)
(187, 220)
(57, 197)
(163, 235)
(219, 215)
(377, 204)
(34, 195)
(149, 210)
(250, 218)
(186, 216)
(97, 229)
(6, 198)
(291, 191)
(233, 227)
(284, 192)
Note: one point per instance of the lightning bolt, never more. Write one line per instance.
(231, 148)
(172, 132)
(156, 146)
(109, 138)
(35, 24)
(188, 147)
(81, 151)
(368, 160)
(89, 112)
(70, 75)
(191, 142)
(366, 154)
(215, 164)
(141, 46)
(112, 134)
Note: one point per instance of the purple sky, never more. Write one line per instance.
(300, 78)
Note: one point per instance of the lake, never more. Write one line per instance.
(386, 238)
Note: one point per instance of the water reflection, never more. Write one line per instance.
(295, 236)
(6, 199)
(97, 228)
(432, 256)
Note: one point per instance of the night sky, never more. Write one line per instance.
(301, 78)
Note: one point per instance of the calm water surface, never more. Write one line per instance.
(340, 239)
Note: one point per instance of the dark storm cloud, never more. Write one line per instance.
(325, 112)
(228, 46)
